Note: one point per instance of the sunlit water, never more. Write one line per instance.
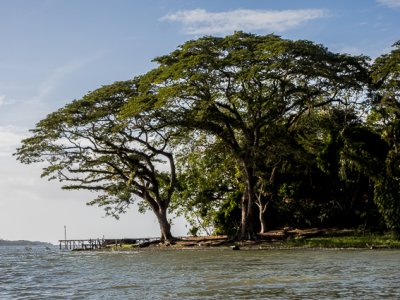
(40, 273)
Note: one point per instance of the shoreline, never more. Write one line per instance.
(283, 239)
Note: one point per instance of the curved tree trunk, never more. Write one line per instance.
(165, 226)
(263, 221)
(262, 207)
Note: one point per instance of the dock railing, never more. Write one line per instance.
(93, 244)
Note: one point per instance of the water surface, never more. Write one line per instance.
(40, 273)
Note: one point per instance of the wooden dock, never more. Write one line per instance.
(92, 244)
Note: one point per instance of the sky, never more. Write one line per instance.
(55, 51)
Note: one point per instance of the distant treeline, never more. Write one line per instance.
(23, 243)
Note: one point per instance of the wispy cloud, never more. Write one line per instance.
(55, 79)
(200, 21)
(2, 100)
(58, 75)
(10, 138)
(390, 3)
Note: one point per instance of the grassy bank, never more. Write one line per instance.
(329, 238)
(370, 241)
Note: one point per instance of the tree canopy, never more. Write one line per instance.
(385, 119)
(86, 145)
(225, 128)
(249, 91)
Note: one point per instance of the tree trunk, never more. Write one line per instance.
(247, 203)
(262, 220)
(244, 221)
(263, 206)
(165, 227)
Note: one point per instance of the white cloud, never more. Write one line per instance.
(390, 3)
(2, 100)
(10, 138)
(200, 21)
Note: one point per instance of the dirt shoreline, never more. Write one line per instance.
(283, 239)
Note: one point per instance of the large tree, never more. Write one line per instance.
(86, 145)
(385, 117)
(246, 89)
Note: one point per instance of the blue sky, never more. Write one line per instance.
(54, 51)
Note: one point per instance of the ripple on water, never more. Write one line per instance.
(215, 274)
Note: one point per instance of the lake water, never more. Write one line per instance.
(40, 273)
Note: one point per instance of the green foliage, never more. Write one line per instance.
(351, 241)
(387, 198)
(207, 178)
(227, 218)
(248, 92)
(87, 145)
(251, 121)
(385, 116)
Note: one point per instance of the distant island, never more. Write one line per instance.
(23, 243)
